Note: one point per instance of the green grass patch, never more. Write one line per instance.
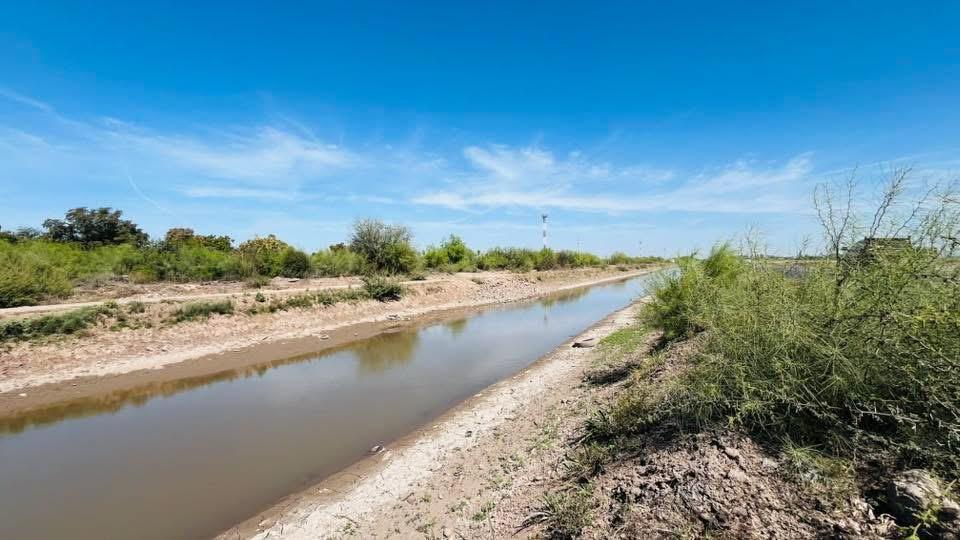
(201, 310)
(382, 288)
(565, 514)
(70, 322)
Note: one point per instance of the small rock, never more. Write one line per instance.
(912, 492)
(949, 510)
(376, 449)
(737, 475)
(469, 433)
(585, 343)
(323, 336)
(23, 395)
(731, 452)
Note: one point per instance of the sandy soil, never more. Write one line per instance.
(103, 352)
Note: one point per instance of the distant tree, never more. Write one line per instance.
(23, 233)
(91, 228)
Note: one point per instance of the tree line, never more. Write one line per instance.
(93, 246)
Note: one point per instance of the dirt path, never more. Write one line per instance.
(66, 363)
(157, 293)
(447, 481)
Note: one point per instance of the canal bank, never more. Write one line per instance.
(445, 480)
(106, 360)
(189, 461)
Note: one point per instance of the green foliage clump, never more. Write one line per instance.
(853, 359)
(382, 288)
(27, 278)
(294, 263)
(264, 255)
(91, 228)
(385, 248)
(201, 310)
(515, 259)
(177, 237)
(452, 255)
(678, 298)
(69, 322)
(337, 261)
(621, 258)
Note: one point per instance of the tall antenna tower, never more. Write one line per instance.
(544, 216)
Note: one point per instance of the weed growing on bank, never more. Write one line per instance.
(382, 288)
(858, 357)
(201, 310)
(565, 514)
(70, 322)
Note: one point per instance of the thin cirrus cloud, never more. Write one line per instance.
(237, 161)
(266, 154)
(535, 178)
(273, 164)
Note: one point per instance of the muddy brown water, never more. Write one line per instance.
(190, 458)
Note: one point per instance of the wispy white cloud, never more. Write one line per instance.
(24, 100)
(535, 178)
(261, 154)
(237, 193)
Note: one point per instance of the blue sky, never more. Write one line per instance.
(636, 126)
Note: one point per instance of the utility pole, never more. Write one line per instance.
(544, 216)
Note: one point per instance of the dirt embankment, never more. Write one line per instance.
(112, 349)
(511, 462)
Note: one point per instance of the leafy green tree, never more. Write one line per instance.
(92, 228)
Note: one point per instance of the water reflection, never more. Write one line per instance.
(567, 297)
(456, 327)
(386, 351)
(374, 355)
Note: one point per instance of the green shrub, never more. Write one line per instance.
(863, 360)
(452, 255)
(201, 310)
(27, 278)
(264, 255)
(678, 299)
(336, 262)
(294, 264)
(382, 288)
(546, 259)
(69, 322)
(385, 248)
